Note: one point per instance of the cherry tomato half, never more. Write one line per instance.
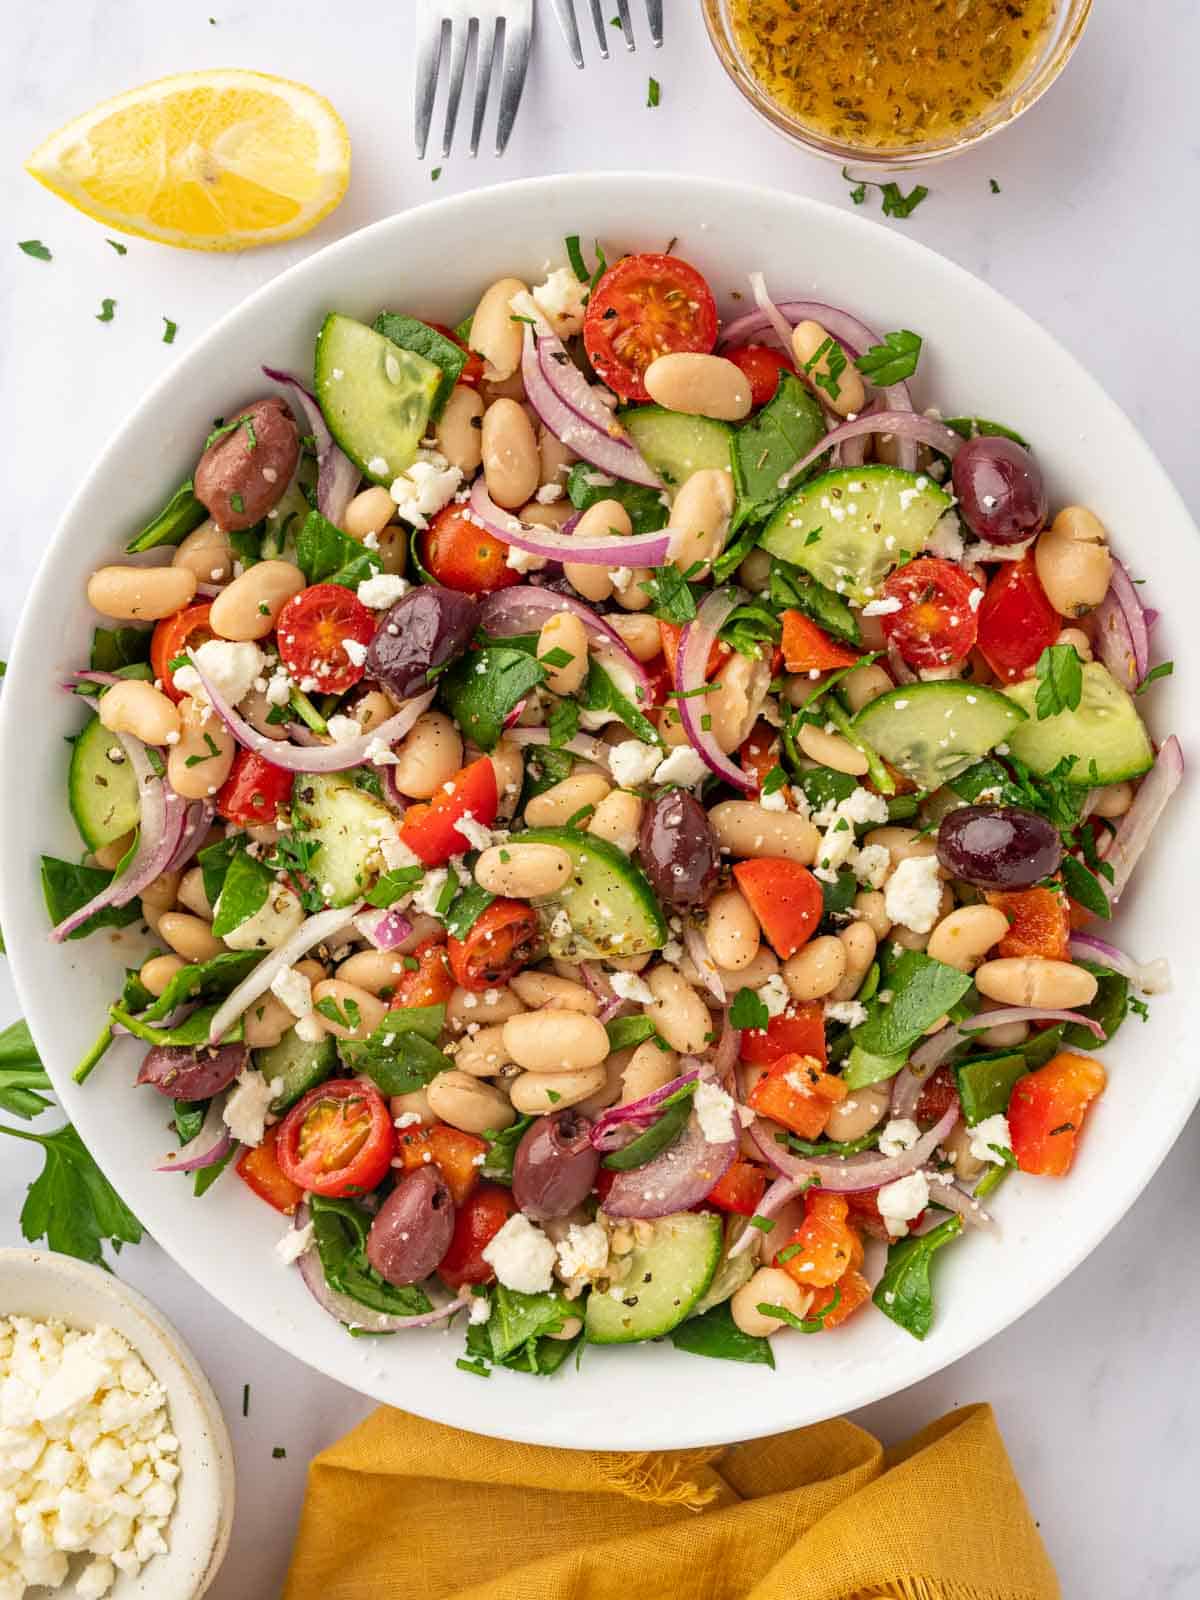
(254, 791)
(472, 373)
(461, 555)
(645, 307)
(427, 982)
(172, 636)
(935, 625)
(338, 1140)
(478, 1222)
(312, 630)
(762, 366)
(1016, 620)
(503, 940)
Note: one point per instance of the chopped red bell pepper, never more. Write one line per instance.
(799, 1094)
(1047, 1109)
(740, 1189)
(430, 831)
(807, 648)
(798, 1031)
(853, 1291)
(786, 899)
(824, 1247)
(259, 1170)
(1039, 923)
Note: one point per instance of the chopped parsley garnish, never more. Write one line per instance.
(121, 249)
(834, 357)
(892, 361)
(993, 186)
(1060, 680)
(35, 248)
(435, 174)
(170, 329)
(653, 94)
(748, 1011)
(563, 720)
(1164, 669)
(213, 750)
(895, 202)
(106, 311)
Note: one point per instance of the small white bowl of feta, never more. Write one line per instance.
(116, 1467)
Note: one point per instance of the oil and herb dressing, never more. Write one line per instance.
(885, 74)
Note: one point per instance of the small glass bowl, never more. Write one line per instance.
(1061, 37)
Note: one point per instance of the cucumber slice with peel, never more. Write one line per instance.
(667, 1276)
(101, 787)
(676, 443)
(1104, 729)
(349, 826)
(850, 527)
(376, 397)
(933, 731)
(607, 909)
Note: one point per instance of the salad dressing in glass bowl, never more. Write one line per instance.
(893, 81)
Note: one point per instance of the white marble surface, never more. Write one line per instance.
(1095, 232)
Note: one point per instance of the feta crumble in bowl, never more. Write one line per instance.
(126, 1487)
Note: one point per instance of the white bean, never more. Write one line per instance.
(250, 607)
(677, 1011)
(428, 756)
(700, 385)
(523, 871)
(140, 594)
(495, 335)
(555, 1040)
(748, 832)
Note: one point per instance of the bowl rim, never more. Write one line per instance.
(160, 1345)
(540, 1424)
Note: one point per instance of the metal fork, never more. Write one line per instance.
(564, 10)
(498, 33)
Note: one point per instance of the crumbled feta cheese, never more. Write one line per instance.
(633, 762)
(377, 467)
(899, 1135)
(683, 766)
(849, 1012)
(480, 1309)
(521, 1256)
(882, 608)
(278, 690)
(583, 1252)
(343, 729)
(428, 485)
(714, 1113)
(249, 1101)
(990, 1138)
(946, 539)
(562, 300)
(294, 989)
(294, 1243)
(80, 1418)
(913, 893)
(396, 853)
(620, 578)
(901, 1201)
(428, 891)
(523, 560)
(230, 667)
(272, 924)
(356, 651)
(310, 1029)
(549, 493)
(476, 835)
(774, 995)
(382, 590)
(775, 801)
(560, 926)
(379, 753)
(630, 987)
(871, 864)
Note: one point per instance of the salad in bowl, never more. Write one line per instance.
(625, 811)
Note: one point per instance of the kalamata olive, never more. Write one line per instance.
(192, 1072)
(242, 475)
(425, 629)
(412, 1228)
(1001, 496)
(998, 847)
(555, 1166)
(678, 851)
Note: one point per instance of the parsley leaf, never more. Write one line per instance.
(72, 1205)
(653, 94)
(748, 1011)
(107, 308)
(1164, 669)
(170, 329)
(21, 1074)
(993, 186)
(895, 203)
(35, 248)
(673, 598)
(1060, 680)
(892, 361)
(122, 250)
(833, 358)
(393, 886)
(563, 723)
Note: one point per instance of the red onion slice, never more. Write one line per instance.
(581, 745)
(310, 932)
(524, 609)
(206, 1149)
(197, 822)
(384, 930)
(1138, 823)
(696, 946)
(639, 550)
(352, 1313)
(642, 1110)
(907, 426)
(938, 1046)
(1147, 977)
(161, 825)
(852, 1174)
(315, 758)
(677, 1179)
(695, 643)
(572, 411)
(1123, 631)
(944, 1192)
(106, 679)
(337, 476)
(906, 1091)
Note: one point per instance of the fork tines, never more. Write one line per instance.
(496, 34)
(564, 10)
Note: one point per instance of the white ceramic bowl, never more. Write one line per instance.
(982, 356)
(50, 1287)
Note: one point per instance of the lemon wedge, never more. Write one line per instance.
(218, 160)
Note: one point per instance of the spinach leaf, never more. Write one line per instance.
(831, 1147)
(502, 1148)
(66, 887)
(626, 1031)
(838, 896)
(22, 1074)
(175, 521)
(398, 1056)
(193, 1030)
(483, 686)
(543, 769)
(517, 1318)
(425, 341)
(922, 989)
(189, 1118)
(905, 1293)
(113, 648)
(586, 485)
(980, 427)
(600, 693)
(393, 886)
(214, 862)
(866, 1066)
(340, 1233)
(658, 1136)
(204, 1178)
(326, 555)
(716, 1334)
(1044, 1046)
(769, 444)
(465, 910)
(247, 887)
(220, 975)
(1083, 887)
(1109, 1008)
(986, 1083)
(792, 587)
(71, 1204)
(823, 786)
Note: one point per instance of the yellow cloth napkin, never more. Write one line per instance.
(404, 1509)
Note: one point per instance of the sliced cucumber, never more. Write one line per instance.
(101, 787)
(376, 398)
(607, 909)
(676, 444)
(849, 528)
(301, 1066)
(667, 1276)
(732, 1271)
(349, 825)
(1104, 728)
(933, 731)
